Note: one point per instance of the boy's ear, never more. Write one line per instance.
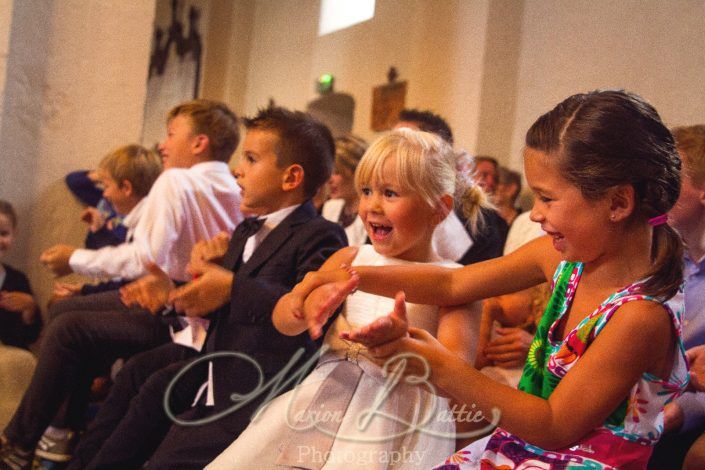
(293, 177)
(621, 202)
(200, 144)
(126, 188)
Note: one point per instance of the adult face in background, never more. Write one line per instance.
(485, 175)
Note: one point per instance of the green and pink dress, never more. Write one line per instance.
(627, 436)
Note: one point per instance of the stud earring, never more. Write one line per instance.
(612, 217)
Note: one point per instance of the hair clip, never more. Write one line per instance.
(658, 220)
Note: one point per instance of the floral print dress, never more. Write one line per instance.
(626, 438)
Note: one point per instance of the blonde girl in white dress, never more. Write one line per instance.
(350, 412)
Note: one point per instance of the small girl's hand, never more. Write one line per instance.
(425, 356)
(384, 329)
(510, 348)
(320, 304)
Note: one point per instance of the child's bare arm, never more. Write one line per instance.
(531, 264)
(292, 316)
(486, 323)
(562, 418)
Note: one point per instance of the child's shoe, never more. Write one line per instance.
(57, 449)
(13, 457)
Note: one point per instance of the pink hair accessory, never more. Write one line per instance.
(658, 220)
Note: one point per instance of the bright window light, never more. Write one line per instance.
(339, 14)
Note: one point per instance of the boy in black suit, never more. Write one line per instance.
(287, 156)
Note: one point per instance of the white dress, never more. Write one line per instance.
(400, 426)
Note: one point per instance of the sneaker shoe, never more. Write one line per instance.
(15, 458)
(56, 450)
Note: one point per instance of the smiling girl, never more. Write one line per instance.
(607, 354)
(343, 415)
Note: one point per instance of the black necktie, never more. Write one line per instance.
(251, 225)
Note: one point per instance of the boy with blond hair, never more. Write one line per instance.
(194, 198)
(126, 174)
(287, 156)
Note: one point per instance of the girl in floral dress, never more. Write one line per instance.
(607, 354)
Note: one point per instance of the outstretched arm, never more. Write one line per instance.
(561, 419)
(307, 306)
(532, 264)
(433, 285)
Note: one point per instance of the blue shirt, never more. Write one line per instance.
(693, 404)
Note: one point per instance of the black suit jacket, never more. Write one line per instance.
(13, 332)
(299, 244)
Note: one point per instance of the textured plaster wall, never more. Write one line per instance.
(651, 47)
(437, 46)
(491, 67)
(74, 89)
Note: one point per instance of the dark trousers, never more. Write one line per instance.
(78, 344)
(132, 421)
(194, 447)
(670, 451)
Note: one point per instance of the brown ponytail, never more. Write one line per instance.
(471, 199)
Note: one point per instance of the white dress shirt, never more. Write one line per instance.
(450, 239)
(183, 207)
(356, 232)
(522, 231)
(195, 330)
(270, 223)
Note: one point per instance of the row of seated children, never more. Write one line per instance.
(194, 198)
(392, 220)
(141, 385)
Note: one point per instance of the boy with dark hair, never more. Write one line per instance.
(266, 257)
(195, 198)
(425, 121)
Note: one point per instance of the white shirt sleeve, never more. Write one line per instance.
(153, 237)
